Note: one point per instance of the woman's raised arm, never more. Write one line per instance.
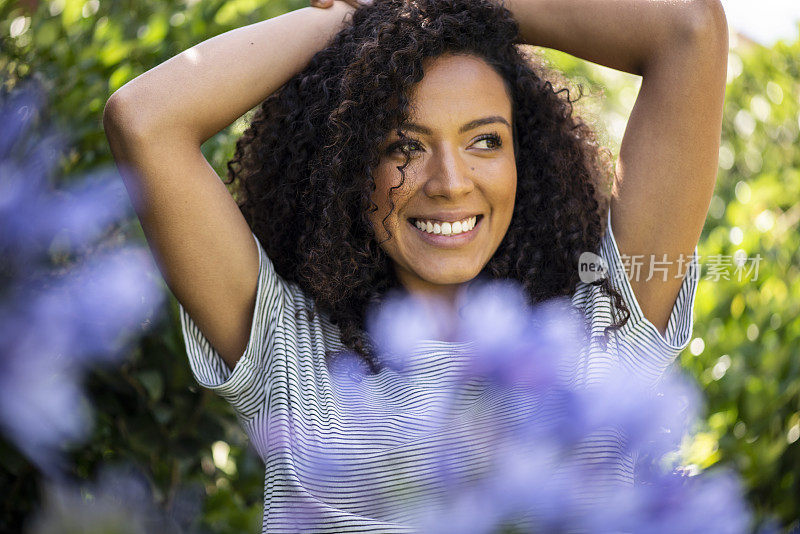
(668, 159)
(155, 126)
(205, 88)
(620, 34)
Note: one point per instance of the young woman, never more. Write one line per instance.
(408, 144)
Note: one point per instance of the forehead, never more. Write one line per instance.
(458, 86)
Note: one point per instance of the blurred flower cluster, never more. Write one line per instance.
(538, 483)
(69, 298)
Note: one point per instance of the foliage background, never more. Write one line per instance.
(150, 411)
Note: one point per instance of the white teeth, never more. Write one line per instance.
(447, 228)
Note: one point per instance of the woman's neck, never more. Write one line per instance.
(442, 305)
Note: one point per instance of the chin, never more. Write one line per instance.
(453, 277)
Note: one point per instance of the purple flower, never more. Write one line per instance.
(515, 344)
(651, 418)
(711, 501)
(42, 405)
(399, 323)
(537, 481)
(59, 315)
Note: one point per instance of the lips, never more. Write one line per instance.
(443, 217)
(446, 228)
(444, 239)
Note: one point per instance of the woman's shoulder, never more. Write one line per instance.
(637, 341)
(301, 319)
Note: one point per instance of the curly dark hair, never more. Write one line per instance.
(302, 171)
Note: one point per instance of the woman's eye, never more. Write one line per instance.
(492, 141)
(404, 146)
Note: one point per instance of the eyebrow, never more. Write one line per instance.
(465, 128)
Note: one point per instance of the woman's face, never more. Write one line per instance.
(462, 173)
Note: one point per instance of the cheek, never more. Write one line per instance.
(381, 194)
(511, 184)
(512, 192)
(388, 186)
(380, 197)
(504, 190)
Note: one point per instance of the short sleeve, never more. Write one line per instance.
(640, 346)
(245, 387)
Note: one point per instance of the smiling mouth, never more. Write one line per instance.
(443, 228)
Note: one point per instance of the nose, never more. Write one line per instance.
(448, 174)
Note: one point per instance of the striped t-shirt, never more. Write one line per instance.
(386, 467)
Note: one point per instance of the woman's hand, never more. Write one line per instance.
(328, 3)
